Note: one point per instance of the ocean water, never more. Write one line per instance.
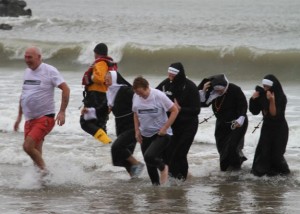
(243, 39)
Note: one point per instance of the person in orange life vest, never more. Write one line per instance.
(94, 115)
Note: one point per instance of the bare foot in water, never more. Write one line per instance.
(164, 175)
(189, 176)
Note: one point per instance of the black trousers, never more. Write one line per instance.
(98, 101)
(153, 149)
(122, 148)
(92, 126)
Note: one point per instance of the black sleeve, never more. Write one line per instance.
(280, 103)
(200, 87)
(160, 85)
(193, 107)
(255, 105)
(242, 102)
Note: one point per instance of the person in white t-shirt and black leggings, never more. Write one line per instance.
(153, 126)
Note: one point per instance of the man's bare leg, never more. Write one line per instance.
(34, 150)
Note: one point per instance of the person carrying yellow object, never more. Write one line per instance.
(94, 115)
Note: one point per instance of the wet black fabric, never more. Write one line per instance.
(269, 154)
(181, 141)
(227, 108)
(219, 79)
(121, 80)
(153, 149)
(91, 126)
(124, 146)
(230, 144)
(122, 110)
(98, 101)
(186, 124)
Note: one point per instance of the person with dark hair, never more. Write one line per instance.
(184, 93)
(153, 126)
(119, 98)
(229, 105)
(269, 155)
(94, 115)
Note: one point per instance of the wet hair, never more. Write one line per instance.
(140, 82)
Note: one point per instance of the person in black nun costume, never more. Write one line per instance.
(119, 99)
(184, 93)
(229, 105)
(269, 155)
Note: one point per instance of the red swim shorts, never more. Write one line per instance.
(38, 128)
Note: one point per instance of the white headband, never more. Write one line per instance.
(267, 82)
(173, 70)
(219, 87)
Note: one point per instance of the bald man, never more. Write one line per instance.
(37, 104)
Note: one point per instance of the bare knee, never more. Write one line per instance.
(28, 145)
(27, 148)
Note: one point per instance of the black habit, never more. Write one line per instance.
(269, 155)
(228, 108)
(185, 126)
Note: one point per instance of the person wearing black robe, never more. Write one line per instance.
(184, 93)
(119, 98)
(269, 155)
(229, 105)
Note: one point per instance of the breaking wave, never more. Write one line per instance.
(240, 62)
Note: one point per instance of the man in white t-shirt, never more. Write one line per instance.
(153, 126)
(37, 104)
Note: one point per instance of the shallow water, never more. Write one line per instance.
(82, 180)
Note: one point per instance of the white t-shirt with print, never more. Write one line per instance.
(152, 112)
(37, 98)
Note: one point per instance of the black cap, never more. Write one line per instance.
(101, 49)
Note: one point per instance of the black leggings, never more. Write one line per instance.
(98, 101)
(122, 148)
(153, 149)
